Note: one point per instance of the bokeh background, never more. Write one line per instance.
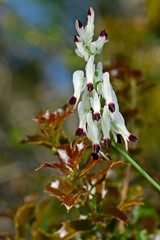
(37, 60)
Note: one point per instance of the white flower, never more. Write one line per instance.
(90, 26)
(96, 105)
(83, 109)
(93, 132)
(96, 46)
(118, 127)
(90, 69)
(105, 124)
(78, 83)
(108, 92)
(81, 31)
(81, 50)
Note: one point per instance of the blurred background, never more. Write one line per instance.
(37, 60)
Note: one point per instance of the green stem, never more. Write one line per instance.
(156, 185)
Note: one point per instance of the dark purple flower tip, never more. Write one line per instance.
(119, 138)
(107, 142)
(89, 12)
(96, 116)
(76, 39)
(103, 33)
(90, 87)
(80, 24)
(79, 132)
(95, 156)
(132, 138)
(72, 100)
(111, 107)
(96, 148)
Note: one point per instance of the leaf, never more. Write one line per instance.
(85, 171)
(71, 155)
(126, 205)
(72, 228)
(65, 192)
(38, 140)
(101, 175)
(23, 217)
(68, 156)
(116, 213)
(61, 167)
(53, 119)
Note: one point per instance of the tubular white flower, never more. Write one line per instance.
(105, 124)
(90, 26)
(90, 69)
(81, 31)
(98, 72)
(81, 50)
(96, 105)
(83, 109)
(107, 92)
(96, 46)
(92, 129)
(78, 83)
(118, 126)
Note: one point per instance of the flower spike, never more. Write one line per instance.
(94, 85)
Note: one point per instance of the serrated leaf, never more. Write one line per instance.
(61, 167)
(71, 155)
(65, 192)
(101, 175)
(87, 168)
(53, 119)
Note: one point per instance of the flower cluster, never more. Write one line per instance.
(92, 88)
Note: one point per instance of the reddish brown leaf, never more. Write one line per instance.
(85, 171)
(70, 200)
(99, 176)
(65, 192)
(61, 167)
(54, 118)
(70, 156)
(119, 215)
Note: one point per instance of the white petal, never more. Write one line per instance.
(78, 83)
(83, 52)
(105, 123)
(81, 31)
(83, 108)
(96, 46)
(118, 126)
(92, 129)
(96, 102)
(90, 26)
(90, 69)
